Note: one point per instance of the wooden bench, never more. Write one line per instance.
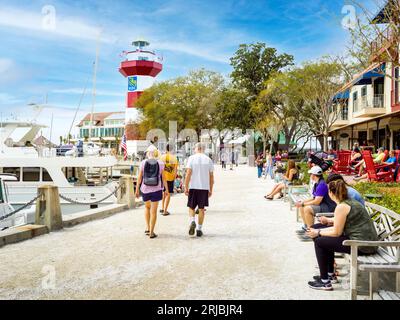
(387, 225)
(298, 193)
(381, 294)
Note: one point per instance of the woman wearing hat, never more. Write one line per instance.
(319, 203)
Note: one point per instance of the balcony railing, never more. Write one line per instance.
(382, 42)
(376, 101)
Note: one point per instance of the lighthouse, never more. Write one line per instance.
(140, 67)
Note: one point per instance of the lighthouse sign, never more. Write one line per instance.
(132, 83)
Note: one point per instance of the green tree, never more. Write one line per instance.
(253, 65)
(190, 100)
(278, 104)
(317, 83)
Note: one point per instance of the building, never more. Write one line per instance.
(107, 127)
(369, 105)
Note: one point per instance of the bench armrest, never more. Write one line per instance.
(358, 243)
(325, 214)
(381, 268)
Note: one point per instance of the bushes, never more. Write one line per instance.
(390, 194)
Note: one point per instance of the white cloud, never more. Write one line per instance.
(72, 27)
(7, 99)
(5, 65)
(210, 54)
(78, 91)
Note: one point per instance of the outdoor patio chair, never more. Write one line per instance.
(378, 173)
(342, 164)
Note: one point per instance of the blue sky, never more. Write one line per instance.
(35, 62)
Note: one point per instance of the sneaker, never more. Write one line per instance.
(302, 230)
(192, 228)
(199, 233)
(333, 279)
(319, 285)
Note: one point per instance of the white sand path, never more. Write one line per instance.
(249, 251)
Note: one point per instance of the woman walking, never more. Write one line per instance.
(150, 184)
(269, 166)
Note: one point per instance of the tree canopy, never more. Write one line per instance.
(253, 64)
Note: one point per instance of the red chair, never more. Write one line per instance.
(397, 165)
(377, 172)
(342, 164)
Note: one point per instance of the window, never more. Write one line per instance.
(345, 112)
(355, 102)
(31, 174)
(14, 171)
(364, 91)
(46, 176)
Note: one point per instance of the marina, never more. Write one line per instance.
(203, 155)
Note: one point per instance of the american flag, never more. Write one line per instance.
(124, 147)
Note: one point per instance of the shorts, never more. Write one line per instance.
(170, 186)
(152, 196)
(323, 208)
(197, 198)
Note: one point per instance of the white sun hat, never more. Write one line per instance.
(316, 170)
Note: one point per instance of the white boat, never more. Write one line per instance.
(82, 179)
(23, 217)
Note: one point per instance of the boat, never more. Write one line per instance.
(23, 217)
(82, 179)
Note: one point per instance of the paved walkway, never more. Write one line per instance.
(249, 251)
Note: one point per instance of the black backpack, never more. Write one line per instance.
(151, 174)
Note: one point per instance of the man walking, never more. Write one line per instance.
(170, 171)
(199, 185)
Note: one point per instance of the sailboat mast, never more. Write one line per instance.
(94, 85)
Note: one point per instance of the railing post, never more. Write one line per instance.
(126, 194)
(48, 209)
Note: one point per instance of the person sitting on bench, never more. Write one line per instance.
(291, 175)
(320, 203)
(351, 221)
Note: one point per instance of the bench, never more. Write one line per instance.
(298, 193)
(381, 294)
(387, 225)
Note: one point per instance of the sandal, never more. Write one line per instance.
(166, 213)
(153, 236)
(147, 232)
(269, 198)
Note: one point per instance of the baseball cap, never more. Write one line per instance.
(316, 171)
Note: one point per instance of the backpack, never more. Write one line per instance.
(151, 173)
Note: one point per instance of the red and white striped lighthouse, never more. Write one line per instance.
(140, 67)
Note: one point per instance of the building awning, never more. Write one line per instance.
(376, 70)
(342, 95)
(366, 78)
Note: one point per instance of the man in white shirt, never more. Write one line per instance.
(199, 185)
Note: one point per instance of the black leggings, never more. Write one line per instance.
(325, 248)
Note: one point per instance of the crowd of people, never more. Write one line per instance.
(158, 178)
(330, 194)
